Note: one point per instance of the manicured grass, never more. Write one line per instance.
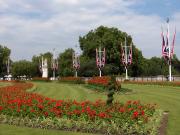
(2, 84)
(14, 130)
(167, 98)
(68, 91)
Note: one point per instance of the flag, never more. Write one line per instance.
(165, 47)
(130, 56)
(97, 58)
(123, 59)
(173, 42)
(103, 57)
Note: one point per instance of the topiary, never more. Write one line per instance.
(112, 86)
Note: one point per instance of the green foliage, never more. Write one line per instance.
(88, 68)
(23, 67)
(111, 39)
(65, 63)
(111, 90)
(4, 54)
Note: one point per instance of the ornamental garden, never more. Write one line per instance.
(93, 92)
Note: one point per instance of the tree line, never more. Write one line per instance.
(111, 39)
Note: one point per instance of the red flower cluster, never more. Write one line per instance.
(99, 80)
(15, 101)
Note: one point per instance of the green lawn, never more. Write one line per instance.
(2, 84)
(68, 91)
(14, 130)
(167, 98)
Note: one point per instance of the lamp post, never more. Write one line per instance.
(167, 49)
(100, 59)
(126, 52)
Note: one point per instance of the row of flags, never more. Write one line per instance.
(167, 48)
(100, 57)
(43, 63)
(126, 60)
(76, 61)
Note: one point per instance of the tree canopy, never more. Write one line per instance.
(4, 54)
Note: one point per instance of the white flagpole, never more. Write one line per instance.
(126, 59)
(100, 61)
(169, 46)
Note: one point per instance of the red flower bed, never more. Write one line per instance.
(99, 81)
(76, 80)
(14, 100)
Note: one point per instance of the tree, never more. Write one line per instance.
(65, 63)
(4, 54)
(23, 67)
(111, 39)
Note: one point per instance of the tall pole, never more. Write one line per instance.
(76, 62)
(126, 59)
(167, 49)
(8, 66)
(169, 53)
(100, 61)
(54, 76)
(76, 74)
(126, 56)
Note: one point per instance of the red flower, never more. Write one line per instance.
(130, 109)
(129, 102)
(1, 108)
(46, 114)
(40, 107)
(135, 114)
(122, 109)
(102, 115)
(142, 112)
(32, 110)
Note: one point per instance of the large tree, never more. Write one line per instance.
(23, 67)
(65, 63)
(4, 54)
(111, 39)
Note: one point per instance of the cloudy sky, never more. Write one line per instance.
(30, 27)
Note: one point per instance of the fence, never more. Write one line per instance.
(149, 78)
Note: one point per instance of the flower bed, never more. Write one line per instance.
(40, 79)
(76, 80)
(129, 118)
(102, 81)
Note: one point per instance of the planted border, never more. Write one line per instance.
(132, 117)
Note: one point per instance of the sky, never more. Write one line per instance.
(31, 27)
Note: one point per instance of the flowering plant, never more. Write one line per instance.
(15, 101)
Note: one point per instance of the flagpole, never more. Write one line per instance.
(169, 53)
(126, 60)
